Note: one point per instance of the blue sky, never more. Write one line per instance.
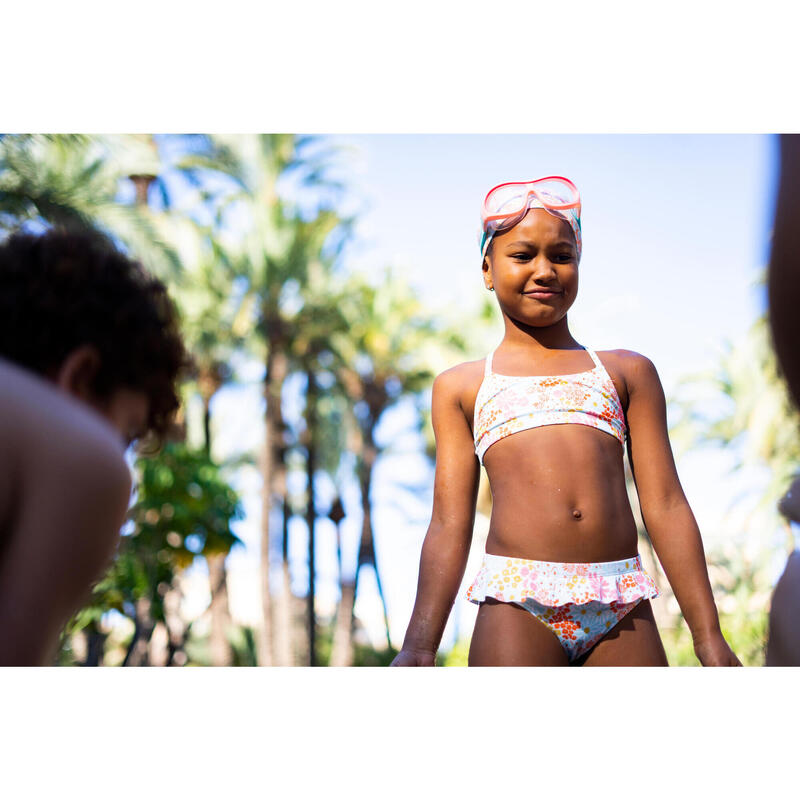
(659, 212)
(676, 232)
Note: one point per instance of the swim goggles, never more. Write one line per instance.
(507, 204)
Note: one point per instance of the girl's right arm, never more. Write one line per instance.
(446, 545)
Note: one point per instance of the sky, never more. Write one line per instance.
(676, 233)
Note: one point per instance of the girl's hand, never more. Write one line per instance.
(715, 652)
(414, 658)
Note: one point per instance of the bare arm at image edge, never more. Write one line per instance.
(783, 646)
(63, 499)
(784, 267)
(783, 281)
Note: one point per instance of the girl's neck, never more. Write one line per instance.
(519, 336)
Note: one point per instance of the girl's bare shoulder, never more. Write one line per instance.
(460, 383)
(629, 369)
(630, 362)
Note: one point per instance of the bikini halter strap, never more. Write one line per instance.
(488, 368)
(594, 357)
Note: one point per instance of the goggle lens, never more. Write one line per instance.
(507, 204)
(512, 199)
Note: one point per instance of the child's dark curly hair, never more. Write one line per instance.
(60, 290)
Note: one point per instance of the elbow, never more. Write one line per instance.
(447, 538)
(665, 509)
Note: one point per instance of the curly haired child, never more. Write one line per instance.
(90, 354)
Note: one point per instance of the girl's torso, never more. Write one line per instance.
(552, 445)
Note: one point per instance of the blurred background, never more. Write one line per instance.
(323, 282)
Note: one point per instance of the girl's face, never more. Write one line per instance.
(533, 268)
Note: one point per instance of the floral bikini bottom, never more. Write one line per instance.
(580, 603)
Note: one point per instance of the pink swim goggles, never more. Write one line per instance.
(507, 204)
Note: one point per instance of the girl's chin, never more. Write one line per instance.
(543, 320)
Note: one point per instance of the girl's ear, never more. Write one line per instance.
(487, 273)
(78, 371)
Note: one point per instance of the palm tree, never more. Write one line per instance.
(277, 249)
(315, 324)
(757, 421)
(212, 326)
(380, 358)
(295, 338)
(270, 260)
(74, 182)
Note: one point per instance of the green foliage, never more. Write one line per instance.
(746, 633)
(757, 415)
(742, 589)
(73, 181)
(364, 655)
(759, 424)
(678, 646)
(184, 510)
(182, 495)
(456, 656)
(243, 642)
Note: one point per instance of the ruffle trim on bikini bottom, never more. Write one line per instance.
(552, 583)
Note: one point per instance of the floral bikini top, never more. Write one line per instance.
(508, 404)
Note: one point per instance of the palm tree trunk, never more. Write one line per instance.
(137, 655)
(158, 646)
(342, 652)
(221, 652)
(265, 627)
(177, 627)
(284, 644)
(276, 370)
(141, 185)
(366, 554)
(342, 649)
(207, 425)
(95, 645)
(342, 645)
(311, 423)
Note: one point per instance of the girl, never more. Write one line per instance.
(561, 582)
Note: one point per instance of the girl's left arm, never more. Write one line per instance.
(668, 519)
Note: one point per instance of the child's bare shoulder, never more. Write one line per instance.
(46, 433)
(632, 367)
(459, 385)
(623, 357)
(464, 377)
